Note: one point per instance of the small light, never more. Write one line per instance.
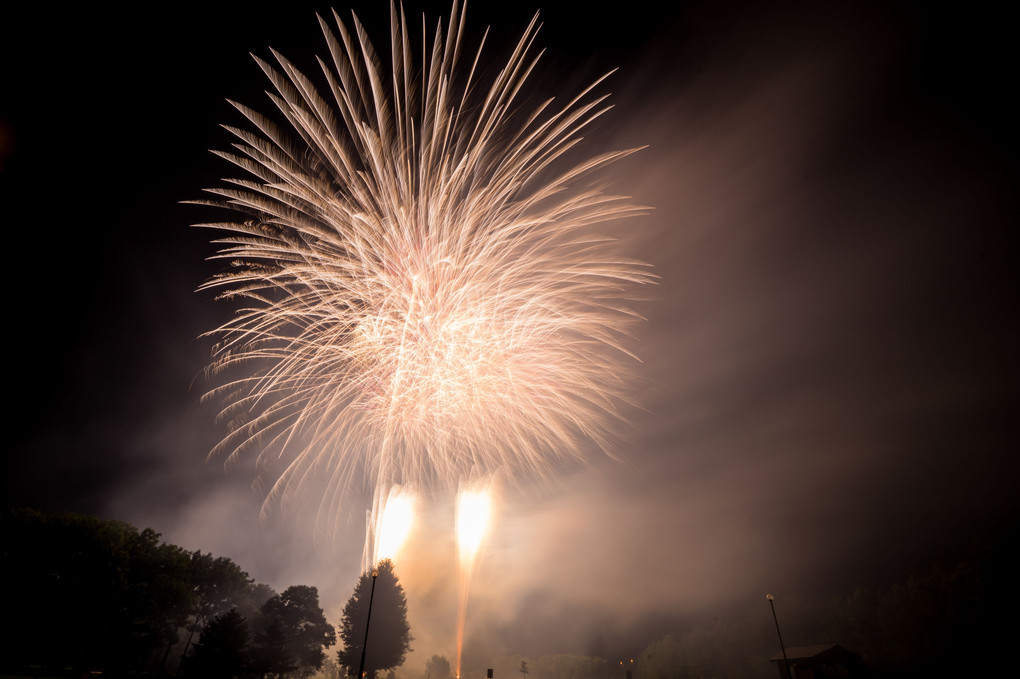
(769, 597)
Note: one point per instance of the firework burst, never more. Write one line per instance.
(421, 299)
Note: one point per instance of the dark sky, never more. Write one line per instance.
(829, 373)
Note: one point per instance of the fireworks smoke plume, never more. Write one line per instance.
(420, 298)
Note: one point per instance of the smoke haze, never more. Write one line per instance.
(827, 372)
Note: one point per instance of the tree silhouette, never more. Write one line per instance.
(437, 667)
(221, 649)
(297, 611)
(524, 670)
(219, 585)
(123, 592)
(389, 634)
(136, 604)
(271, 653)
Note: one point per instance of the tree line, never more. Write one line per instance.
(946, 621)
(80, 595)
(951, 620)
(83, 594)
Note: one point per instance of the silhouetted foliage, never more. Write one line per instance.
(271, 650)
(89, 595)
(222, 651)
(943, 623)
(389, 637)
(219, 586)
(123, 593)
(308, 633)
(330, 670)
(437, 667)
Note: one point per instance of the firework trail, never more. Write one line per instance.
(387, 525)
(474, 509)
(420, 299)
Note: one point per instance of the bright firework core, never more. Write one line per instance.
(474, 507)
(395, 516)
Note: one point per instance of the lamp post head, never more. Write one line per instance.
(375, 574)
(769, 597)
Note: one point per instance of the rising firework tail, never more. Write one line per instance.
(473, 514)
(420, 297)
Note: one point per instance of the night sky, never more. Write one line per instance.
(828, 381)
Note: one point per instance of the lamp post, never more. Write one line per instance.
(785, 661)
(368, 621)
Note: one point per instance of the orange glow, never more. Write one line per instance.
(395, 524)
(474, 511)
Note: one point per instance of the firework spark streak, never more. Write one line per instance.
(421, 300)
(474, 508)
(387, 526)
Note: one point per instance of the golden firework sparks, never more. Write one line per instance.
(421, 297)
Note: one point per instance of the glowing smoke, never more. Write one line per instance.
(394, 517)
(474, 510)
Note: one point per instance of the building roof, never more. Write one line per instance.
(807, 652)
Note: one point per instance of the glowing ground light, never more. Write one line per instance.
(474, 511)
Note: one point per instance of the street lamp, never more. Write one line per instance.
(368, 621)
(785, 661)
